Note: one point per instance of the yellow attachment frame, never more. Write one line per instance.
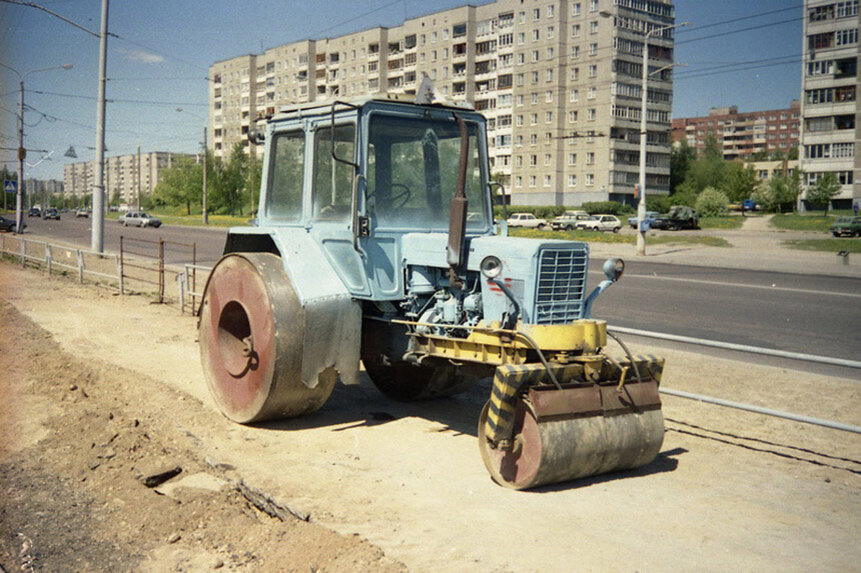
(492, 345)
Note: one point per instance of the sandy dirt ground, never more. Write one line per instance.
(100, 390)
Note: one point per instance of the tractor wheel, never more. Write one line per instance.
(251, 341)
(401, 380)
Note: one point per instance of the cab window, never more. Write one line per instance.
(333, 180)
(286, 176)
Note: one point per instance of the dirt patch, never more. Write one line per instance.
(76, 444)
(730, 490)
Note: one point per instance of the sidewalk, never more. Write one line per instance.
(756, 246)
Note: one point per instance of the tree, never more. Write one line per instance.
(681, 157)
(229, 182)
(739, 181)
(180, 184)
(707, 170)
(711, 202)
(825, 189)
(781, 192)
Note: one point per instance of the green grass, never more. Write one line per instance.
(177, 216)
(827, 245)
(797, 222)
(604, 237)
(724, 222)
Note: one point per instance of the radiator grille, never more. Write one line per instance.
(561, 281)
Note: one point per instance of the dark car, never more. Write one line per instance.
(34, 212)
(849, 226)
(7, 224)
(51, 214)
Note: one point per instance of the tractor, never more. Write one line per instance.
(375, 243)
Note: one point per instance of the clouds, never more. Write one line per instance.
(141, 56)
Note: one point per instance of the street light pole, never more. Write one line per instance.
(641, 206)
(22, 151)
(97, 240)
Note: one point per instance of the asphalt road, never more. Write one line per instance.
(796, 313)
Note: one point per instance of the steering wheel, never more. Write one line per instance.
(402, 197)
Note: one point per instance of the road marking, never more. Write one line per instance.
(762, 287)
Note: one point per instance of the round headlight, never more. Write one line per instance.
(613, 269)
(491, 267)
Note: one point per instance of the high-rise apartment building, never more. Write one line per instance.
(830, 107)
(127, 176)
(744, 134)
(559, 81)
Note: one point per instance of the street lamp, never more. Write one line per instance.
(22, 152)
(641, 206)
(205, 212)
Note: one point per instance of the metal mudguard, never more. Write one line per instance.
(333, 318)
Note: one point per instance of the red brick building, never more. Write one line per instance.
(742, 134)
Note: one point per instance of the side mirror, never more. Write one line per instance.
(256, 137)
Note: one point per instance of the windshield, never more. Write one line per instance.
(412, 173)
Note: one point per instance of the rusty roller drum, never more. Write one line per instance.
(251, 336)
(560, 435)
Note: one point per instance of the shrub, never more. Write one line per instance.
(711, 202)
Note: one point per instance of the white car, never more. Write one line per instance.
(527, 220)
(600, 223)
(568, 220)
(139, 219)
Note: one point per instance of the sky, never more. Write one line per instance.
(732, 52)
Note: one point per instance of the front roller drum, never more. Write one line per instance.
(251, 339)
(558, 448)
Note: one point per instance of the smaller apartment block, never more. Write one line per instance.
(128, 176)
(742, 135)
(830, 106)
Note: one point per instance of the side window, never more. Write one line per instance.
(333, 180)
(286, 176)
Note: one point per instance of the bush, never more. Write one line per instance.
(711, 203)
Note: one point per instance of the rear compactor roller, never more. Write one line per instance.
(375, 241)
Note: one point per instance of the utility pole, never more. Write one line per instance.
(97, 242)
(641, 206)
(205, 212)
(139, 179)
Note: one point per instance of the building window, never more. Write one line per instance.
(548, 117)
(547, 181)
(548, 96)
(593, 27)
(590, 179)
(575, 95)
(575, 30)
(593, 71)
(590, 158)
(572, 180)
(572, 159)
(532, 180)
(548, 158)
(590, 114)
(533, 160)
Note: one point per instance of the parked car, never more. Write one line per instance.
(8, 225)
(139, 219)
(567, 221)
(526, 220)
(82, 213)
(600, 223)
(51, 214)
(34, 212)
(650, 219)
(849, 226)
